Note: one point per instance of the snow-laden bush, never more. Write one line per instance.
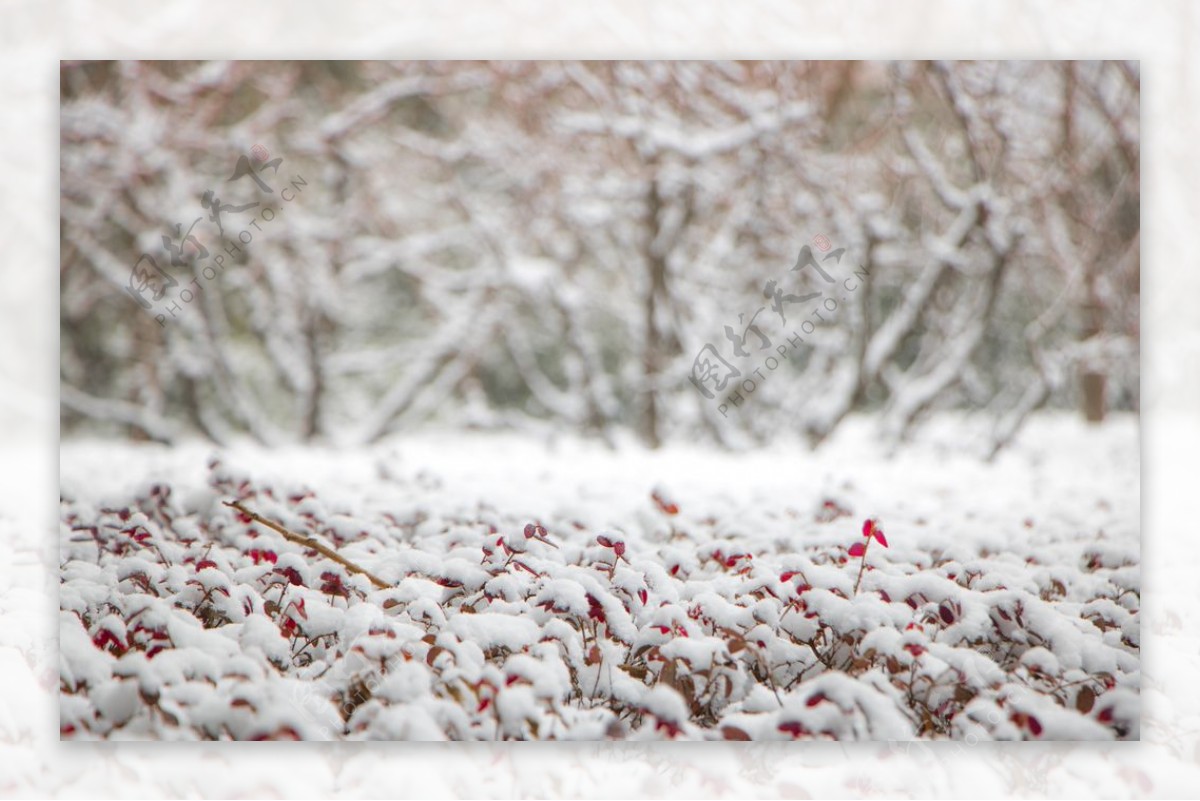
(183, 618)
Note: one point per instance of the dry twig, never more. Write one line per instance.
(308, 542)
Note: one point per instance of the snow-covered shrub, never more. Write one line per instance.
(183, 618)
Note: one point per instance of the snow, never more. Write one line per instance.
(684, 593)
(491, 631)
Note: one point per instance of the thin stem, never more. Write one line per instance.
(862, 566)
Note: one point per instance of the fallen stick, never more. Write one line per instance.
(308, 542)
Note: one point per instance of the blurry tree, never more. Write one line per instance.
(487, 244)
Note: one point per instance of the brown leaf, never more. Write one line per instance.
(667, 674)
(357, 694)
(1085, 700)
(639, 672)
(734, 733)
(433, 654)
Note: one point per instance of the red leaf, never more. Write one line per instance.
(645, 596)
(787, 575)
(332, 584)
(105, 637)
(670, 727)
(595, 609)
(793, 728)
(605, 541)
(868, 527)
(619, 548)
(858, 549)
(262, 556)
(815, 699)
(291, 574)
(879, 536)
(669, 507)
(206, 563)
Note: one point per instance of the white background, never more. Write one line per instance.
(35, 34)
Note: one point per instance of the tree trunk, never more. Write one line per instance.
(656, 287)
(1092, 378)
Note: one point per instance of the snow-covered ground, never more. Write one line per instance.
(681, 593)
